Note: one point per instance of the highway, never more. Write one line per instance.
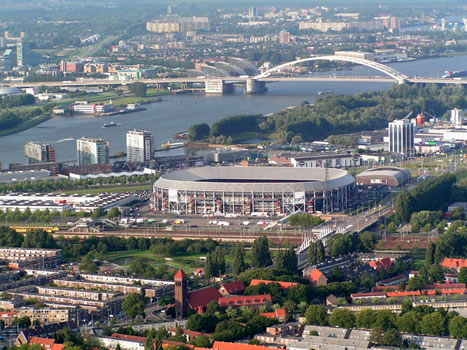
(194, 80)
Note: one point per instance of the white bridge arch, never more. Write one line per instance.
(398, 76)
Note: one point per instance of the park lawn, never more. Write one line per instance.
(26, 125)
(121, 188)
(187, 262)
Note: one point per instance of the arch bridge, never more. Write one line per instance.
(396, 75)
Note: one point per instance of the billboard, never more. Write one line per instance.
(173, 195)
(299, 198)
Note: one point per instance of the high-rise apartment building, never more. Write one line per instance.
(284, 37)
(139, 146)
(92, 151)
(37, 152)
(178, 24)
(252, 13)
(401, 138)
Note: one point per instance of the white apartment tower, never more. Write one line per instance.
(139, 146)
(457, 117)
(92, 151)
(401, 138)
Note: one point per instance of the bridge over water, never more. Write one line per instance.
(257, 84)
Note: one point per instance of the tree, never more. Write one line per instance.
(219, 260)
(22, 322)
(377, 336)
(343, 318)
(210, 267)
(385, 319)
(133, 305)
(458, 327)
(88, 265)
(430, 254)
(316, 252)
(415, 283)
(316, 315)
(409, 322)
(97, 213)
(238, 260)
(368, 241)
(198, 132)
(202, 341)
(113, 213)
(287, 260)
(404, 207)
(366, 319)
(340, 245)
(434, 324)
(392, 337)
(436, 274)
(138, 89)
(438, 254)
(463, 275)
(261, 256)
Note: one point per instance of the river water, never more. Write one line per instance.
(177, 113)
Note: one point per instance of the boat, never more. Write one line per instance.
(321, 93)
(108, 125)
(172, 145)
(182, 135)
(454, 74)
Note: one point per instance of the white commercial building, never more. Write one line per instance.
(92, 108)
(92, 151)
(401, 138)
(139, 146)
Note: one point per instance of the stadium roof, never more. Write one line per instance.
(253, 179)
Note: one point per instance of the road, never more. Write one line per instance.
(100, 82)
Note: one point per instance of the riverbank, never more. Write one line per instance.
(26, 125)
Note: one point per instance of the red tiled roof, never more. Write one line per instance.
(168, 344)
(46, 342)
(180, 275)
(128, 337)
(454, 291)
(404, 294)
(58, 346)
(276, 314)
(234, 287)
(454, 263)
(444, 286)
(369, 295)
(8, 313)
(220, 345)
(245, 300)
(202, 297)
(315, 275)
(199, 270)
(284, 285)
(382, 264)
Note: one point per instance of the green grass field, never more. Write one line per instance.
(187, 262)
(26, 125)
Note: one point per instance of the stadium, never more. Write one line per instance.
(255, 191)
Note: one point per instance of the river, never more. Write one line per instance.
(177, 113)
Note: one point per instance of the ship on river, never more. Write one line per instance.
(454, 74)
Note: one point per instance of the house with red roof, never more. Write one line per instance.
(317, 278)
(382, 264)
(189, 335)
(199, 272)
(279, 314)
(232, 288)
(46, 343)
(455, 264)
(7, 317)
(199, 299)
(220, 345)
(284, 285)
(252, 301)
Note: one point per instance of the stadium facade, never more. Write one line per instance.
(246, 191)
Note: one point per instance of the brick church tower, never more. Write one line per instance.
(181, 293)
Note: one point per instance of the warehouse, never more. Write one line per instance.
(255, 191)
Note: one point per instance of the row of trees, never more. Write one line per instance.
(32, 239)
(339, 114)
(66, 184)
(9, 119)
(304, 220)
(421, 198)
(17, 101)
(416, 320)
(225, 127)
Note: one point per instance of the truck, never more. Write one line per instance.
(179, 221)
(223, 223)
